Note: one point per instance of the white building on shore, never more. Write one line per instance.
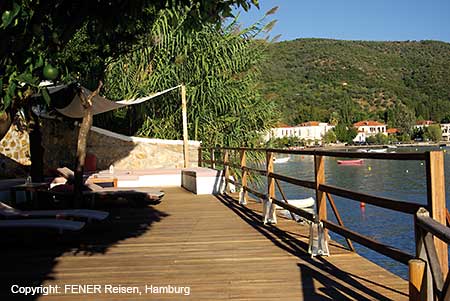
(311, 130)
(421, 124)
(368, 128)
(445, 129)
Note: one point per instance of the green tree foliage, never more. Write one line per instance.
(358, 79)
(34, 37)
(345, 133)
(378, 139)
(285, 142)
(417, 134)
(433, 133)
(329, 137)
(402, 118)
(218, 66)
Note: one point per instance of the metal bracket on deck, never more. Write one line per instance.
(318, 244)
(242, 199)
(269, 212)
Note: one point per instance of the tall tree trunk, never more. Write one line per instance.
(5, 123)
(36, 149)
(83, 135)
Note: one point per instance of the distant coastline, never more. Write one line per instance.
(344, 146)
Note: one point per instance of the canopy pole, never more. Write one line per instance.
(185, 131)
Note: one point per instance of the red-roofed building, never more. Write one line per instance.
(310, 123)
(424, 122)
(368, 128)
(392, 131)
(420, 124)
(311, 130)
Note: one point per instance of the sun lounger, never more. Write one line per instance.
(95, 191)
(151, 195)
(8, 212)
(69, 175)
(58, 224)
(66, 173)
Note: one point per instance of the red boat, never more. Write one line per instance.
(351, 162)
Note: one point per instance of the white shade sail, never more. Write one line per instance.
(100, 104)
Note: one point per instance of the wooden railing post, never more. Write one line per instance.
(426, 292)
(199, 162)
(226, 170)
(270, 180)
(319, 168)
(268, 207)
(185, 126)
(212, 157)
(436, 200)
(417, 280)
(243, 192)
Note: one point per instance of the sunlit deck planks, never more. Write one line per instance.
(214, 246)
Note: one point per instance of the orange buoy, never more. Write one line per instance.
(362, 204)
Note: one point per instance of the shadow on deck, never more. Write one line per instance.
(217, 248)
(30, 257)
(315, 270)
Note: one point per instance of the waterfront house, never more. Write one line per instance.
(421, 124)
(360, 137)
(314, 130)
(445, 128)
(368, 128)
(282, 130)
(311, 130)
(392, 131)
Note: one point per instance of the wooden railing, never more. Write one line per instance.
(235, 160)
(428, 283)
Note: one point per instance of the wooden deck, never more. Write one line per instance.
(216, 247)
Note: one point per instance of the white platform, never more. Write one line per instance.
(199, 180)
(202, 180)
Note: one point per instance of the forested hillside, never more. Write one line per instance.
(331, 80)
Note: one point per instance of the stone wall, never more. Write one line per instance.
(15, 151)
(124, 152)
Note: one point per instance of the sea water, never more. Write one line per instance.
(399, 180)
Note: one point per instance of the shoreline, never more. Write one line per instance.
(375, 146)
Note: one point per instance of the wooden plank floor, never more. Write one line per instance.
(215, 247)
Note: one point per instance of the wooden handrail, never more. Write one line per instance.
(258, 171)
(236, 183)
(231, 164)
(401, 206)
(303, 183)
(339, 154)
(293, 209)
(280, 189)
(447, 217)
(339, 219)
(254, 192)
(433, 227)
(426, 226)
(389, 251)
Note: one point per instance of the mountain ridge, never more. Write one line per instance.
(322, 79)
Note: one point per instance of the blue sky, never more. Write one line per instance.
(380, 20)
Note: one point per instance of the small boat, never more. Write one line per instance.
(378, 150)
(351, 162)
(299, 203)
(281, 160)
